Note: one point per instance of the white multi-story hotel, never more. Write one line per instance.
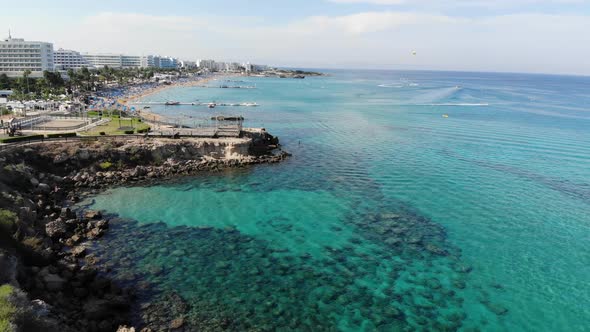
(207, 64)
(98, 60)
(18, 55)
(102, 60)
(150, 61)
(68, 59)
(187, 64)
(168, 63)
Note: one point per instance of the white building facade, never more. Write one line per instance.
(168, 63)
(68, 59)
(98, 60)
(18, 55)
(150, 61)
(207, 64)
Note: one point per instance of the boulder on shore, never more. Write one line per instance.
(56, 228)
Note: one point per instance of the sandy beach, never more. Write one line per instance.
(158, 117)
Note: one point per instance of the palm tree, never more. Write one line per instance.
(26, 74)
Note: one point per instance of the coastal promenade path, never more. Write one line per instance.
(73, 139)
(222, 132)
(205, 132)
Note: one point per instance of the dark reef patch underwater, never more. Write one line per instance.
(397, 273)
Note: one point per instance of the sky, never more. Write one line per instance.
(538, 36)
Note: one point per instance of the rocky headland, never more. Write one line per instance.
(46, 269)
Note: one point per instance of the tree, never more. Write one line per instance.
(53, 79)
(42, 86)
(26, 74)
(4, 82)
(85, 77)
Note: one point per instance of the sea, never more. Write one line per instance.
(413, 201)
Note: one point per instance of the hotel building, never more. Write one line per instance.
(168, 63)
(68, 59)
(98, 60)
(18, 55)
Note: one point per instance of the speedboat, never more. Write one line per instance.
(212, 105)
(169, 103)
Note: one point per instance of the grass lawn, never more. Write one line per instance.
(7, 309)
(113, 127)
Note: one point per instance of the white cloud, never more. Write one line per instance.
(525, 42)
(122, 22)
(371, 21)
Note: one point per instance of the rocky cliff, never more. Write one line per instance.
(43, 241)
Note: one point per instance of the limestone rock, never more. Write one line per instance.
(44, 188)
(177, 323)
(91, 214)
(78, 251)
(40, 308)
(56, 228)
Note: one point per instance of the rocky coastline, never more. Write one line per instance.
(44, 237)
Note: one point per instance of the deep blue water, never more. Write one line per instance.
(388, 216)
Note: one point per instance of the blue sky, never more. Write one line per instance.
(551, 36)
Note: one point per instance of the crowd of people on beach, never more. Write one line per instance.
(120, 97)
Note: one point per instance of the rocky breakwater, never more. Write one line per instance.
(154, 160)
(43, 243)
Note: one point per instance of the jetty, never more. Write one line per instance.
(228, 86)
(205, 104)
(215, 126)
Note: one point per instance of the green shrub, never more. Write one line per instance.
(102, 133)
(105, 165)
(60, 135)
(7, 309)
(21, 138)
(129, 132)
(7, 221)
(144, 130)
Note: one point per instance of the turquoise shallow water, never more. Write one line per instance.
(388, 216)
